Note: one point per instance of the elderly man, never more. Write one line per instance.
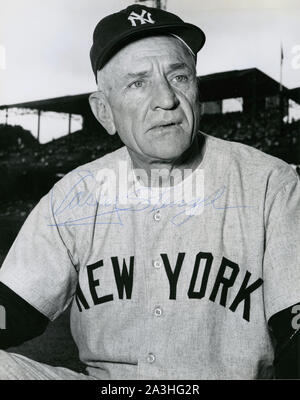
(201, 285)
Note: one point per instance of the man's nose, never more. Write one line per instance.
(164, 96)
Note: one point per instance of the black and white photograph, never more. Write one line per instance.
(149, 192)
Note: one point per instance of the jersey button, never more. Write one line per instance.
(156, 264)
(151, 358)
(157, 216)
(157, 311)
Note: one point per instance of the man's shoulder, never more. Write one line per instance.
(85, 175)
(251, 162)
(109, 160)
(245, 154)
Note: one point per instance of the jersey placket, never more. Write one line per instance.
(150, 361)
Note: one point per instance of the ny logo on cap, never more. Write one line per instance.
(133, 17)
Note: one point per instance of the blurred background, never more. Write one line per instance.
(249, 78)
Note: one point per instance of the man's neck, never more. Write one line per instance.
(159, 173)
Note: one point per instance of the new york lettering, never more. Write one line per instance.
(225, 280)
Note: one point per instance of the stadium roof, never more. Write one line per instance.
(295, 94)
(222, 85)
(77, 104)
(238, 83)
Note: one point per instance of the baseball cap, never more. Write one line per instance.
(135, 22)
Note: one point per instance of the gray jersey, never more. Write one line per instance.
(160, 291)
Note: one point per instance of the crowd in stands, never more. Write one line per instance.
(264, 132)
(61, 154)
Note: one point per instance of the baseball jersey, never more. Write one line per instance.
(166, 289)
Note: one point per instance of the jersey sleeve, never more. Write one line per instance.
(40, 266)
(281, 264)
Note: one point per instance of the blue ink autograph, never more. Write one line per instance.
(79, 199)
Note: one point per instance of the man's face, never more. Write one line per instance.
(153, 97)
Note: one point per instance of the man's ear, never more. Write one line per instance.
(102, 111)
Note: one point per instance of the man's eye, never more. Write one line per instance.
(136, 84)
(180, 78)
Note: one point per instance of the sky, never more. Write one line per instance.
(44, 44)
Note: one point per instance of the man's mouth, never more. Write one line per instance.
(169, 124)
(165, 125)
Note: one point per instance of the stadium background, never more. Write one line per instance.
(29, 167)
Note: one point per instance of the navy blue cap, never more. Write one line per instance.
(135, 22)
